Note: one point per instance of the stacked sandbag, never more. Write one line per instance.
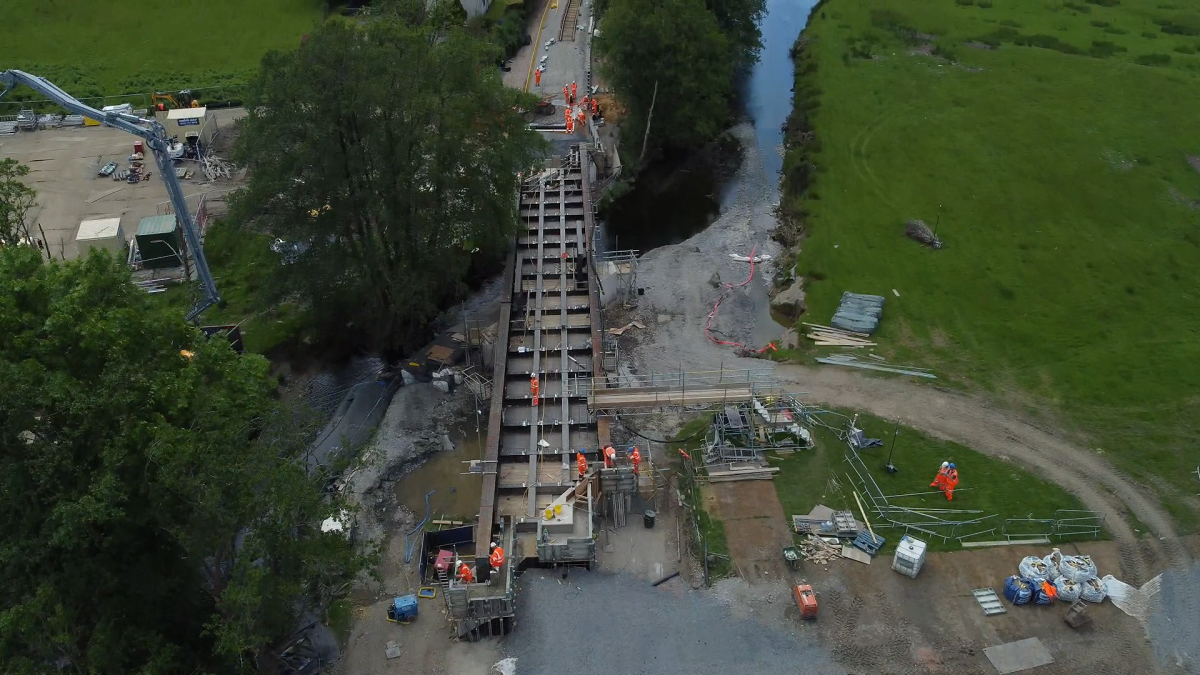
(1034, 569)
(858, 313)
(1052, 562)
(1068, 591)
(1077, 568)
(1093, 589)
(1017, 590)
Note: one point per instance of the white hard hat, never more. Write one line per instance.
(945, 464)
(493, 544)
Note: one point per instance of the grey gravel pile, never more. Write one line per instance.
(1174, 622)
(605, 623)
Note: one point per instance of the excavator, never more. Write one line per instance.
(159, 100)
(157, 141)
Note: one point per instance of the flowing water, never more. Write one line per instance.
(684, 192)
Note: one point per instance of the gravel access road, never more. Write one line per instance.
(594, 624)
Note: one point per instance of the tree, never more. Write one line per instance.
(738, 20)
(158, 516)
(678, 45)
(16, 199)
(390, 151)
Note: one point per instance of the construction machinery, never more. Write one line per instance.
(403, 609)
(806, 601)
(184, 100)
(156, 139)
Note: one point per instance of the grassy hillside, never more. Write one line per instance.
(1053, 138)
(107, 47)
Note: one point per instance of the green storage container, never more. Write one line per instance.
(158, 242)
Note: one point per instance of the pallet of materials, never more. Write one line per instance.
(726, 473)
(826, 336)
(858, 313)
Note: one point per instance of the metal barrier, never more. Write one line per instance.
(1077, 522)
(1028, 528)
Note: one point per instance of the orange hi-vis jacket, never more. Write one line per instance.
(582, 461)
(464, 574)
(497, 558)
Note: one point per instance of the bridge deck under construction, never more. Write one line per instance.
(547, 338)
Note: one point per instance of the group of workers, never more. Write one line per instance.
(610, 459)
(496, 559)
(576, 111)
(947, 480)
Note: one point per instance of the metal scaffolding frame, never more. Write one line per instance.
(624, 266)
(743, 432)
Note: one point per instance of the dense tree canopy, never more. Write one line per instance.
(738, 20)
(691, 49)
(389, 151)
(155, 516)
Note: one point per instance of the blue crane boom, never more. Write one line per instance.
(156, 139)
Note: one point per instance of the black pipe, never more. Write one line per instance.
(665, 579)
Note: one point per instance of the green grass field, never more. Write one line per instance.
(821, 476)
(1069, 210)
(110, 47)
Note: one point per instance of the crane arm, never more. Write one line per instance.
(156, 139)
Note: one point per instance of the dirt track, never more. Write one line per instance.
(974, 422)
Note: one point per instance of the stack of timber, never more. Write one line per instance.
(817, 550)
(825, 336)
(727, 473)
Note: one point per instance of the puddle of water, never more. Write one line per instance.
(456, 495)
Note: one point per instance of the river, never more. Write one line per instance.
(684, 192)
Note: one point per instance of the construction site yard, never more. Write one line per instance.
(63, 166)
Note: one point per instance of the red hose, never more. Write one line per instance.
(713, 314)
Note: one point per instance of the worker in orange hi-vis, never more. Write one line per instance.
(496, 559)
(595, 107)
(582, 462)
(610, 457)
(465, 575)
(941, 476)
(582, 118)
(537, 77)
(574, 91)
(951, 482)
(635, 458)
(570, 126)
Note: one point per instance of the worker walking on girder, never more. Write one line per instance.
(496, 559)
